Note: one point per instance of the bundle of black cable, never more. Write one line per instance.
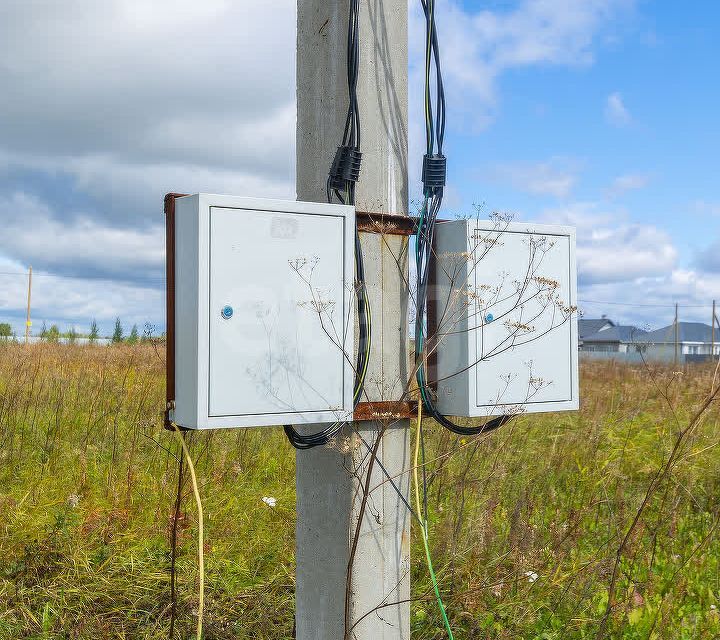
(433, 177)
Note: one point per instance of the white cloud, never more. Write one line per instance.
(479, 46)
(79, 246)
(649, 302)
(630, 271)
(611, 249)
(627, 182)
(75, 301)
(110, 105)
(115, 103)
(163, 87)
(556, 177)
(616, 112)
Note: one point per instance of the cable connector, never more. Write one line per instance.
(345, 167)
(433, 173)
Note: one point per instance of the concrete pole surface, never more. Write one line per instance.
(330, 481)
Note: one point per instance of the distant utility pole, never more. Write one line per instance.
(329, 494)
(28, 322)
(712, 333)
(716, 322)
(677, 330)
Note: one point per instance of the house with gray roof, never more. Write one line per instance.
(589, 326)
(602, 338)
(693, 338)
(615, 339)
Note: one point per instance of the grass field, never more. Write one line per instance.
(528, 526)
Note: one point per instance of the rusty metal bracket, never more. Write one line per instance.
(169, 208)
(385, 411)
(385, 223)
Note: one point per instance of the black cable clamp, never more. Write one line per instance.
(433, 173)
(345, 167)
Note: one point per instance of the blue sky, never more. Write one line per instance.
(598, 113)
(645, 107)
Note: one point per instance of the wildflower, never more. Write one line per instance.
(73, 500)
(269, 501)
(531, 576)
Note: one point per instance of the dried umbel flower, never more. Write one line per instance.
(318, 304)
(566, 309)
(518, 327)
(501, 217)
(341, 444)
(487, 241)
(546, 282)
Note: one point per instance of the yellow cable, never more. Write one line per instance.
(201, 536)
(416, 481)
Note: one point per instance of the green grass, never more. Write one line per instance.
(88, 476)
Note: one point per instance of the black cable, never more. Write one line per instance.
(343, 175)
(434, 175)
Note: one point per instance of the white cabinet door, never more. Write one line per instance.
(276, 300)
(524, 340)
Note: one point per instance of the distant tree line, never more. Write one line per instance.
(53, 334)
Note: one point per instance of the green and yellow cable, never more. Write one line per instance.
(424, 525)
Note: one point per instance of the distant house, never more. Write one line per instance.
(693, 339)
(615, 339)
(602, 339)
(590, 326)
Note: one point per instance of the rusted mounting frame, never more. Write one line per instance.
(384, 411)
(169, 207)
(383, 223)
(386, 223)
(395, 225)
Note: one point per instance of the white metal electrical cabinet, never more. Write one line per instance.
(263, 312)
(504, 317)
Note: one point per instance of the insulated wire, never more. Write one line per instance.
(435, 135)
(201, 535)
(424, 524)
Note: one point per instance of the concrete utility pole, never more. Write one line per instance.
(328, 494)
(28, 322)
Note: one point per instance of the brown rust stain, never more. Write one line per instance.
(384, 410)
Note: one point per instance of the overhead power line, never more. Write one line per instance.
(644, 304)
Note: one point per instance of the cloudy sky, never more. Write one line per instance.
(598, 113)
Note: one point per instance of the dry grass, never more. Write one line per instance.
(88, 478)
